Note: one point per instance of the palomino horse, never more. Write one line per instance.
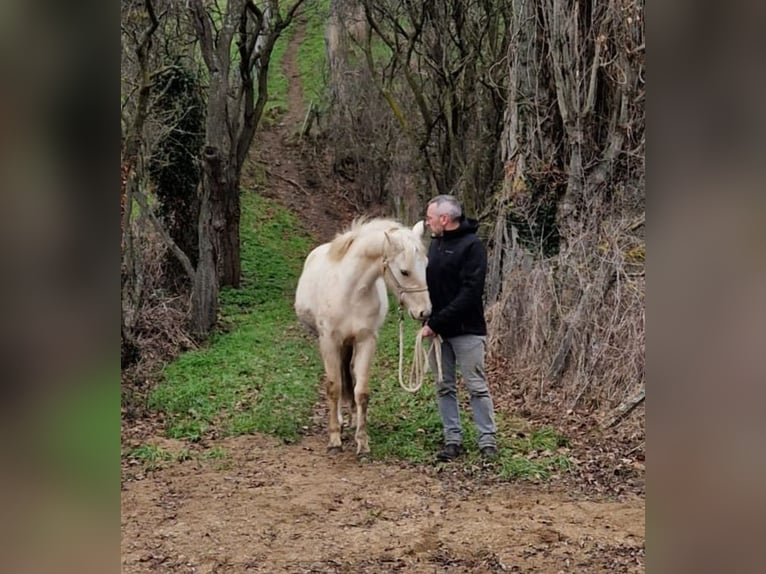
(341, 297)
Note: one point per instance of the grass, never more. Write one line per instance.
(215, 453)
(312, 60)
(154, 457)
(536, 454)
(277, 102)
(261, 375)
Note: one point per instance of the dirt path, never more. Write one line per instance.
(268, 507)
(295, 169)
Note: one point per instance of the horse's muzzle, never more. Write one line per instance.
(420, 315)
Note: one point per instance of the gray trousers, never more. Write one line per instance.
(467, 351)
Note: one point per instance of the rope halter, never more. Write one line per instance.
(400, 289)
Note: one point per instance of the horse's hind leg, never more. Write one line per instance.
(331, 358)
(347, 387)
(363, 354)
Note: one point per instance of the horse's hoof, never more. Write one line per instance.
(333, 450)
(363, 456)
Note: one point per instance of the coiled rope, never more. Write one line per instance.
(420, 363)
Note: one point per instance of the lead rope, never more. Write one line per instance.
(420, 364)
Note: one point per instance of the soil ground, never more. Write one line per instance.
(271, 507)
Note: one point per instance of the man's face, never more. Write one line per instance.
(434, 222)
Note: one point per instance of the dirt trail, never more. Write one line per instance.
(269, 507)
(292, 508)
(295, 169)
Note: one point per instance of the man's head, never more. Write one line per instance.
(443, 214)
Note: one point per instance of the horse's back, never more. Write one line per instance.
(321, 300)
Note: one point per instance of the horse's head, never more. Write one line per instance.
(404, 269)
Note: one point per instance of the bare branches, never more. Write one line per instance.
(205, 32)
(142, 53)
(432, 66)
(131, 263)
(625, 408)
(140, 197)
(577, 318)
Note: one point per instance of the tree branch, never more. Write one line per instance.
(177, 251)
(624, 409)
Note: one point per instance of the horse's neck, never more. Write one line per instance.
(364, 286)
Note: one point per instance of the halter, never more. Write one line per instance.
(400, 289)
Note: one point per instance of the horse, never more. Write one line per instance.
(341, 298)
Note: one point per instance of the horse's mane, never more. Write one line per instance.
(357, 231)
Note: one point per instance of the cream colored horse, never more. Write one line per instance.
(341, 297)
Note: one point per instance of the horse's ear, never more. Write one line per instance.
(419, 229)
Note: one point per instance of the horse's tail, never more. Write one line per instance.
(347, 377)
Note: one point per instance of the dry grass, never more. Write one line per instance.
(574, 323)
(159, 325)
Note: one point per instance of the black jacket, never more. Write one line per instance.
(457, 268)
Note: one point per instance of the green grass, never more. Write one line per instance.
(312, 57)
(277, 103)
(534, 454)
(262, 375)
(154, 457)
(215, 453)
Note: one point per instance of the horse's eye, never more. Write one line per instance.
(404, 272)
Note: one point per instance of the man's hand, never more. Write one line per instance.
(426, 331)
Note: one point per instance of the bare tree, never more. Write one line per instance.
(237, 95)
(532, 113)
(424, 79)
(136, 157)
(134, 175)
(236, 43)
(566, 274)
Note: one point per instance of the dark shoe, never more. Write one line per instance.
(450, 452)
(489, 453)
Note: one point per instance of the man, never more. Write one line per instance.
(457, 266)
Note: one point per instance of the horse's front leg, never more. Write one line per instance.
(363, 354)
(331, 357)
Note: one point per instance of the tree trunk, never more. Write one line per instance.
(132, 166)
(204, 299)
(233, 113)
(231, 268)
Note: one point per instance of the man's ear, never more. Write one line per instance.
(419, 229)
